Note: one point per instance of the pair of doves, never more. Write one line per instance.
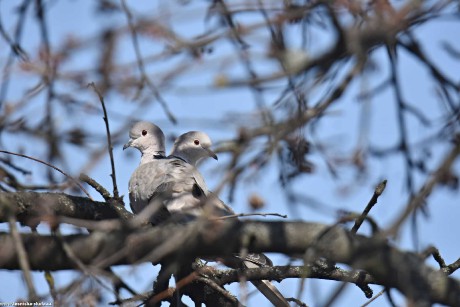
(171, 188)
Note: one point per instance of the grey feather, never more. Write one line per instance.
(186, 149)
(172, 188)
(168, 182)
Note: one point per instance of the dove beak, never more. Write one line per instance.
(211, 153)
(128, 144)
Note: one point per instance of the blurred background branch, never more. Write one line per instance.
(309, 103)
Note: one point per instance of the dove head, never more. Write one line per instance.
(193, 146)
(148, 138)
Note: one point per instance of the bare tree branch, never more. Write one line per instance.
(377, 192)
(51, 166)
(31, 207)
(418, 199)
(22, 257)
(109, 141)
(388, 266)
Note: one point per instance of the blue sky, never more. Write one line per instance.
(220, 112)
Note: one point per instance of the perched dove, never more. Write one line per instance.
(149, 139)
(192, 147)
(161, 185)
(173, 186)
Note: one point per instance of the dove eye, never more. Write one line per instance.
(196, 142)
(144, 132)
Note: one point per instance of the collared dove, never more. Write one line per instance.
(192, 147)
(161, 185)
(149, 139)
(172, 186)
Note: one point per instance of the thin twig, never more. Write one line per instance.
(51, 284)
(451, 268)
(335, 294)
(352, 217)
(419, 199)
(70, 254)
(48, 79)
(15, 50)
(433, 251)
(15, 47)
(448, 269)
(87, 270)
(404, 147)
(242, 277)
(140, 64)
(219, 289)
(118, 283)
(168, 293)
(132, 299)
(285, 127)
(109, 141)
(296, 301)
(23, 171)
(374, 298)
(249, 214)
(49, 165)
(22, 256)
(377, 192)
(99, 188)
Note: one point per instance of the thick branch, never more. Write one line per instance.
(388, 266)
(31, 205)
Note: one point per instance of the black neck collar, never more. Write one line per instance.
(159, 155)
